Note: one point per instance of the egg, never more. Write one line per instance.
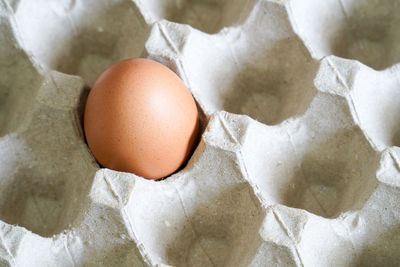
(140, 118)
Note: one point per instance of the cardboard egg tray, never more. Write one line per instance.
(297, 164)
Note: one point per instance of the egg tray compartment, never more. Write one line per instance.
(311, 178)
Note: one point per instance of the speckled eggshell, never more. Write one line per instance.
(140, 118)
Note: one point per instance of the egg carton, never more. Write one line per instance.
(297, 164)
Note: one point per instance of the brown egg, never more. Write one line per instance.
(140, 118)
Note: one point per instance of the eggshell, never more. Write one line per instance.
(140, 118)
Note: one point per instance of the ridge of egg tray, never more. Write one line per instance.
(299, 163)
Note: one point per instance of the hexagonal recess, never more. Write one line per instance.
(206, 15)
(367, 237)
(247, 70)
(321, 162)
(373, 98)
(365, 30)
(84, 37)
(189, 219)
(53, 168)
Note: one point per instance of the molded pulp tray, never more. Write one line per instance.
(298, 164)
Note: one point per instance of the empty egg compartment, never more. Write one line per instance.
(46, 169)
(356, 238)
(267, 75)
(364, 30)
(205, 215)
(321, 162)
(19, 80)
(373, 97)
(84, 37)
(205, 15)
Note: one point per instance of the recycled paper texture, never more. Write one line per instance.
(298, 164)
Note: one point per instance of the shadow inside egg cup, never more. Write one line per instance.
(383, 250)
(39, 205)
(396, 138)
(366, 30)
(335, 176)
(84, 39)
(390, 120)
(45, 193)
(218, 231)
(370, 33)
(204, 15)
(19, 81)
(275, 85)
